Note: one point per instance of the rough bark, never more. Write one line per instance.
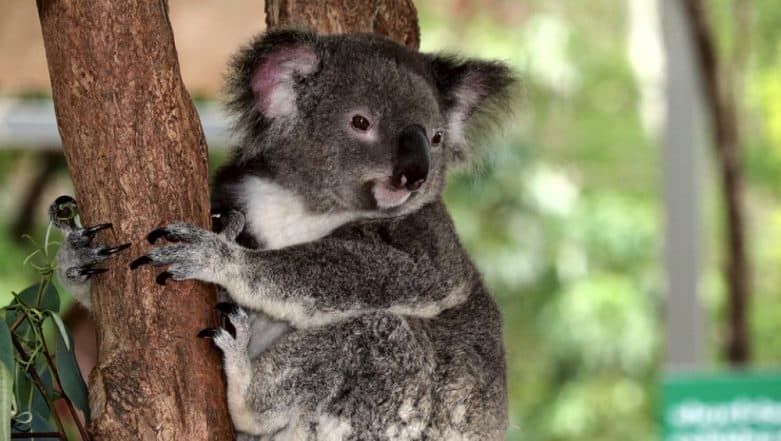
(136, 151)
(395, 19)
(720, 100)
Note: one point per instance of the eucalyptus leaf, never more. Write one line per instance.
(61, 328)
(23, 388)
(39, 403)
(23, 329)
(6, 347)
(49, 301)
(70, 376)
(41, 424)
(6, 400)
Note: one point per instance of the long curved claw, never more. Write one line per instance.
(162, 277)
(154, 235)
(114, 250)
(208, 333)
(143, 260)
(226, 307)
(89, 272)
(91, 231)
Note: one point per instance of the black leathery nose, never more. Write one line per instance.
(412, 158)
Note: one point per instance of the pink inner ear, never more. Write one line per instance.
(274, 75)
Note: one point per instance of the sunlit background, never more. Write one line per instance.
(565, 216)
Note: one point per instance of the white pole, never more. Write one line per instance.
(682, 162)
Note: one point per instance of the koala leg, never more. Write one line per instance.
(78, 257)
(371, 377)
(233, 338)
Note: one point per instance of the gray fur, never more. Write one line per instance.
(390, 332)
(78, 258)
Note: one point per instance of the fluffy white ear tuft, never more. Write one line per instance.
(274, 78)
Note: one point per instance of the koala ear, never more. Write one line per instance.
(471, 91)
(265, 73)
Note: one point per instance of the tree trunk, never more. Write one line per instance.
(720, 101)
(395, 19)
(137, 155)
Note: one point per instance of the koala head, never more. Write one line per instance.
(356, 122)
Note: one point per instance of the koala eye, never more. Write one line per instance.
(361, 123)
(437, 138)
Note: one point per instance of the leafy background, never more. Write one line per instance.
(564, 216)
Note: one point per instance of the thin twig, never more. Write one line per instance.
(720, 102)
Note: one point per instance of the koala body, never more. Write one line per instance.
(360, 315)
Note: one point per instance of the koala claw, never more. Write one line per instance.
(91, 231)
(162, 277)
(208, 333)
(157, 234)
(89, 271)
(143, 260)
(113, 250)
(77, 257)
(227, 308)
(194, 255)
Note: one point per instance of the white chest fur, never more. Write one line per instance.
(279, 216)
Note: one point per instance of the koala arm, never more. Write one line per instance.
(316, 283)
(329, 280)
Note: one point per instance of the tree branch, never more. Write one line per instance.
(720, 102)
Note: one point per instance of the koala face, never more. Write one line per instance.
(357, 123)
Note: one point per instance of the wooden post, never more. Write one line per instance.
(137, 156)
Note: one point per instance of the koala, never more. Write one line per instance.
(354, 313)
(77, 257)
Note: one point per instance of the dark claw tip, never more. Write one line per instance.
(162, 277)
(226, 307)
(92, 271)
(156, 234)
(143, 260)
(90, 231)
(228, 326)
(116, 249)
(208, 333)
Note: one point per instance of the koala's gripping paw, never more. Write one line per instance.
(77, 258)
(197, 253)
(232, 337)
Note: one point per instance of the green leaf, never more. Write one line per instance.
(29, 399)
(6, 347)
(49, 301)
(39, 403)
(6, 399)
(41, 424)
(61, 327)
(23, 330)
(70, 376)
(6, 381)
(23, 388)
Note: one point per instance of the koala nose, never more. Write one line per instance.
(412, 159)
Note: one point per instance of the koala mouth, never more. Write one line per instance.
(388, 196)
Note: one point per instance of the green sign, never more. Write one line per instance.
(732, 406)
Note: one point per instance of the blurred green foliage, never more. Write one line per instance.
(564, 215)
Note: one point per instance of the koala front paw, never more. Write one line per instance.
(199, 253)
(77, 257)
